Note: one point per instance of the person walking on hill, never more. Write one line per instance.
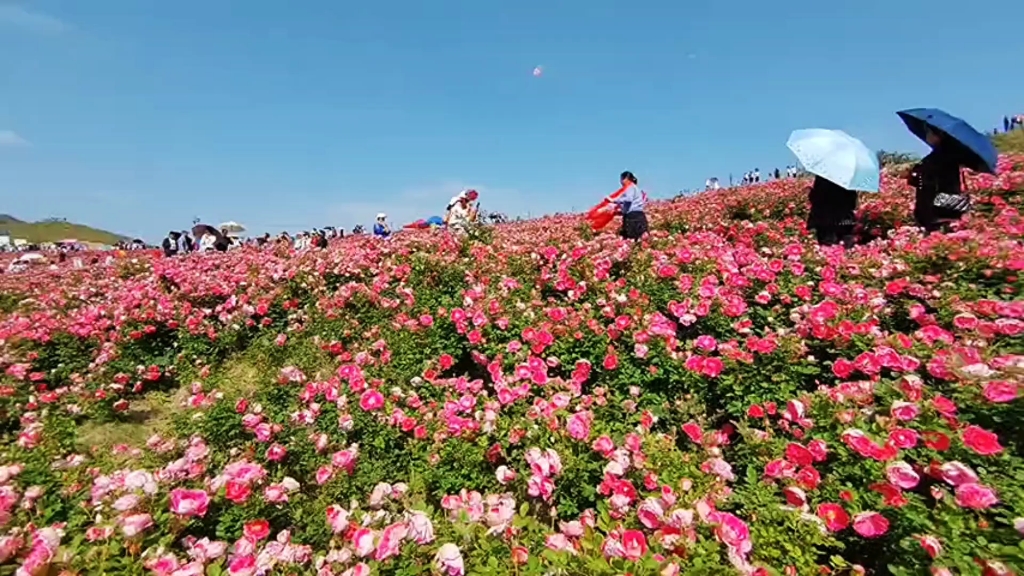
(631, 204)
(832, 213)
(1006, 124)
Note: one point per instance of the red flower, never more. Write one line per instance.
(981, 441)
(936, 440)
(834, 515)
(798, 454)
(256, 530)
(634, 545)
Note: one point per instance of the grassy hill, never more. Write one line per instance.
(54, 231)
(1010, 143)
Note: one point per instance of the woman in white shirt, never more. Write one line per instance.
(461, 215)
(206, 242)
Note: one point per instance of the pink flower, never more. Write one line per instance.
(634, 545)
(242, 565)
(956, 473)
(981, 441)
(371, 400)
(712, 367)
(999, 391)
(903, 438)
(134, 524)
(819, 450)
(870, 524)
(650, 513)
(505, 474)
(573, 529)
(732, 532)
(931, 545)
(578, 425)
(276, 453)
(361, 569)
(975, 496)
(449, 560)
(603, 445)
(904, 411)
(189, 502)
(558, 542)
(362, 541)
(337, 518)
(706, 343)
(421, 530)
(391, 541)
(902, 475)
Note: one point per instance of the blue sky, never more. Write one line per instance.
(137, 115)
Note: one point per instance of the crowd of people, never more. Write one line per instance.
(461, 213)
(752, 177)
(939, 200)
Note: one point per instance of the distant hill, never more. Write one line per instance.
(55, 231)
(1010, 142)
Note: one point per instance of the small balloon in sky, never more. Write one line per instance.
(538, 71)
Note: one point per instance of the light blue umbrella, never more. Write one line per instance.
(837, 157)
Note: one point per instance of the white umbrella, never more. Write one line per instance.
(232, 227)
(836, 156)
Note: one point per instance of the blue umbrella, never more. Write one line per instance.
(837, 157)
(435, 221)
(975, 150)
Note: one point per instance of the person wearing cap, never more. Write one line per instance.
(461, 215)
(631, 205)
(381, 228)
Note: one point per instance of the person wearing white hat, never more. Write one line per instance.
(459, 213)
(381, 228)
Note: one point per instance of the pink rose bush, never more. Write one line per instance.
(723, 397)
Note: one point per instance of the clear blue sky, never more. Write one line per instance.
(136, 115)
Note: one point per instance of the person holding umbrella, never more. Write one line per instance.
(841, 165)
(832, 213)
(939, 199)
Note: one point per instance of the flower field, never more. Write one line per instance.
(724, 398)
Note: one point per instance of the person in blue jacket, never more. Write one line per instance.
(381, 228)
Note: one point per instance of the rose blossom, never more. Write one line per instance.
(870, 524)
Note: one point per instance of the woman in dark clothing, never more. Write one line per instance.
(223, 242)
(832, 212)
(170, 244)
(939, 197)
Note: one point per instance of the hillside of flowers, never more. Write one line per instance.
(725, 397)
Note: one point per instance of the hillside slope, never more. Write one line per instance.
(38, 232)
(1010, 143)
